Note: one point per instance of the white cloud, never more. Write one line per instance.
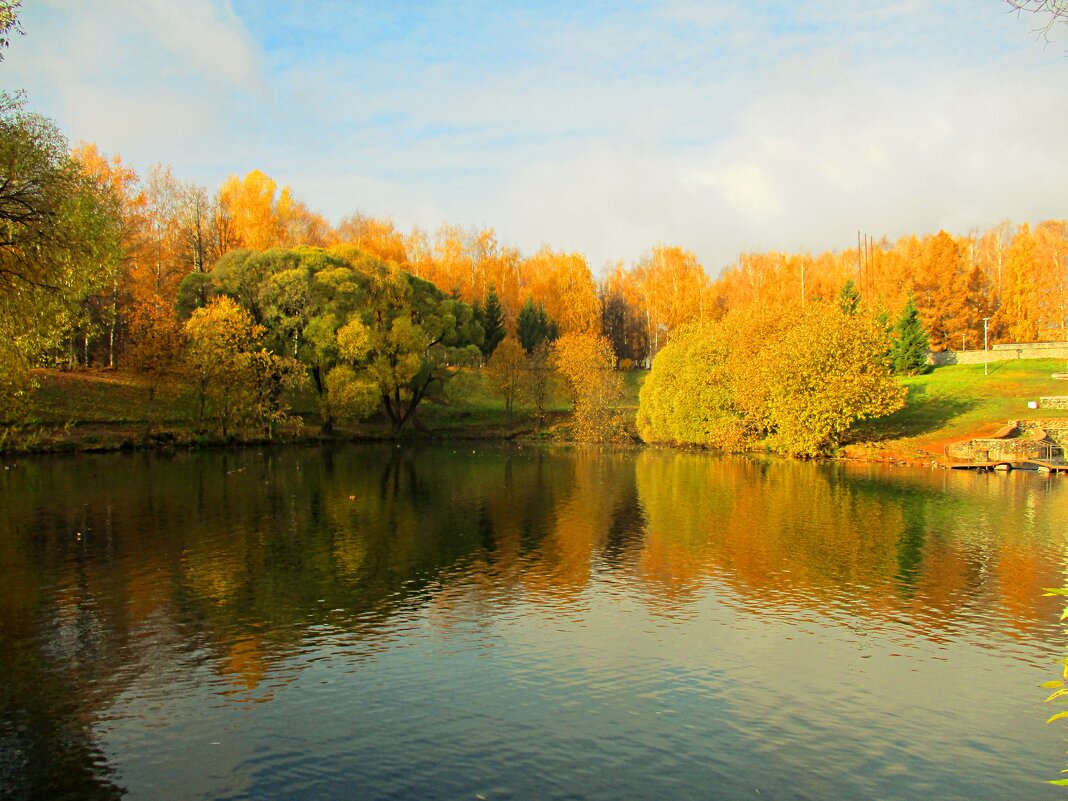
(712, 126)
(151, 79)
(808, 170)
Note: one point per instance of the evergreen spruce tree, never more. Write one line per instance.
(492, 318)
(849, 298)
(911, 343)
(534, 326)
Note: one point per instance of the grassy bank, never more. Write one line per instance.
(109, 409)
(90, 410)
(958, 402)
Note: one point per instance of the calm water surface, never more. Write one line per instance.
(458, 623)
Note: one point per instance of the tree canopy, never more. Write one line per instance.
(59, 238)
(799, 378)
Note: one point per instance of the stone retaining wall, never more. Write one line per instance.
(1001, 353)
(993, 450)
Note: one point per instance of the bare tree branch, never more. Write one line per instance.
(1049, 12)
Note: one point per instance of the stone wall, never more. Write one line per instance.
(1054, 402)
(1002, 353)
(994, 450)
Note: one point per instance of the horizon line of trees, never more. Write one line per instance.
(117, 244)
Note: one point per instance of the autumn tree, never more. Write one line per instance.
(539, 377)
(800, 378)
(221, 337)
(826, 373)
(689, 395)
(587, 364)
(506, 369)
(377, 237)
(61, 241)
(105, 310)
(562, 284)
(623, 324)
(157, 347)
(253, 213)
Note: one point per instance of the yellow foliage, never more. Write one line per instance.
(827, 372)
(351, 395)
(562, 282)
(354, 340)
(799, 377)
(506, 369)
(586, 363)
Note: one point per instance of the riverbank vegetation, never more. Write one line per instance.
(795, 381)
(256, 316)
(110, 409)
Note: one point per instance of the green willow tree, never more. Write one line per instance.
(403, 345)
(370, 335)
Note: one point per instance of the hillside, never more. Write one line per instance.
(956, 402)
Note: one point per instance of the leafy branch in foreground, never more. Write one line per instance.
(1059, 686)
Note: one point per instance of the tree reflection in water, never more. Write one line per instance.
(126, 570)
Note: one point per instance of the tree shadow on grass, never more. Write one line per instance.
(922, 414)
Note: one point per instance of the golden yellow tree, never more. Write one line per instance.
(157, 346)
(254, 214)
(506, 369)
(800, 377)
(587, 364)
(563, 284)
(221, 336)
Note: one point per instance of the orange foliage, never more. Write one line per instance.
(254, 214)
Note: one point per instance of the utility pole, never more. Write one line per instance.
(986, 352)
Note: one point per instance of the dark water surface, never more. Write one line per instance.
(458, 623)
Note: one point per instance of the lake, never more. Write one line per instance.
(504, 622)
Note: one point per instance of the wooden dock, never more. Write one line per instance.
(1041, 465)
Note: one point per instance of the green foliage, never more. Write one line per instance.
(908, 353)
(799, 378)
(491, 317)
(849, 298)
(194, 292)
(61, 243)
(396, 336)
(533, 326)
(417, 336)
(688, 396)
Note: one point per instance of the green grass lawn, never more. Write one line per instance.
(959, 401)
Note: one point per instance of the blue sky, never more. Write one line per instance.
(598, 127)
